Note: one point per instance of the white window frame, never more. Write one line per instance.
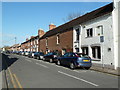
(89, 33)
(100, 30)
(96, 52)
(46, 41)
(58, 39)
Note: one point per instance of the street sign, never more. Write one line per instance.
(101, 38)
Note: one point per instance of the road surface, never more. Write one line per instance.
(24, 72)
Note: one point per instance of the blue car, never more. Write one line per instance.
(74, 60)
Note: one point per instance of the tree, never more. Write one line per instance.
(71, 16)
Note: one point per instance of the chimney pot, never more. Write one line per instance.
(41, 32)
(52, 26)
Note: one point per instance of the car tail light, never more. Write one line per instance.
(77, 55)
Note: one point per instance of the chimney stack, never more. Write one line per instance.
(52, 26)
(41, 32)
(26, 39)
(32, 37)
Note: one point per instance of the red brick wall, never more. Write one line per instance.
(66, 42)
(42, 45)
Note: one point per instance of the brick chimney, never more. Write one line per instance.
(26, 39)
(32, 37)
(52, 26)
(41, 32)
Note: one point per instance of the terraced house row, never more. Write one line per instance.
(95, 34)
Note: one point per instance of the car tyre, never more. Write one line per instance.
(38, 58)
(72, 66)
(87, 68)
(51, 60)
(43, 59)
(58, 63)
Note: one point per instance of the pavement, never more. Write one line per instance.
(27, 72)
(0, 80)
(0, 73)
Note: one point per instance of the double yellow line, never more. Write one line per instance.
(14, 78)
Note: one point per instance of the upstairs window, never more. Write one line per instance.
(46, 41)
(58, 39)
(99, 30)
(77, 34)
(89, 32)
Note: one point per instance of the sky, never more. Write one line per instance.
(23, 19)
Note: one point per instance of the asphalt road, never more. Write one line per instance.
(24, 72)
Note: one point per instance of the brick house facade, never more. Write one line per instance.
(57, 39)
(32, 44)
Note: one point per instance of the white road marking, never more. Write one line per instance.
(42, 65)
(28, 60)
(78, 78)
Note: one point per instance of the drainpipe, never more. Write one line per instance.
(115, 31)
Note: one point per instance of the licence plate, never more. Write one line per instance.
(86, 60)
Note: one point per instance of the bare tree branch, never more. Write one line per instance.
(71, 16)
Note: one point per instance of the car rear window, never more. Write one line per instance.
(82, 55)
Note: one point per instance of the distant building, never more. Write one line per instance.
(32, 43)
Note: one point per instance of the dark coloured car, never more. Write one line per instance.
(51, 57)
(30, 54)
(7, 51)
(74, 60)
(39, 55)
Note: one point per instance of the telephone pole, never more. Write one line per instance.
(15, 40)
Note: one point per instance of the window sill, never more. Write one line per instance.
(89, 37)
(96, 59)
(76, 42)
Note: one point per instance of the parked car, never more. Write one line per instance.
(51, 57)
(38, 55)
(33, 54)
(22, 53)
(18, 52)
(14, 52)
(26, 53)
(30, 54)
(7, 51)
(74, 60)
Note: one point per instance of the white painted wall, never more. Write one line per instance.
(106, 21)
(119, 33)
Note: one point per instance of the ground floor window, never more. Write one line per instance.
(77, 49)
(96, 52)
(63, 51)
(85, 50)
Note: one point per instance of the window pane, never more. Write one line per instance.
(93, 52)
(99, 52)
(91, 32)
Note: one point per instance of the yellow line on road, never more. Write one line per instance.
(12, 80)
(20, 86)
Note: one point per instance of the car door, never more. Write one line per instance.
(63, 58)
(69, 59)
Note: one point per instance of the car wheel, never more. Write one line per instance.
(87, 68)
(38, 58)
(72, 66)
(43, 59)
(51, 60)
(58, 63)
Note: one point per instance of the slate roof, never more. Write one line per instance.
(69, 25)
